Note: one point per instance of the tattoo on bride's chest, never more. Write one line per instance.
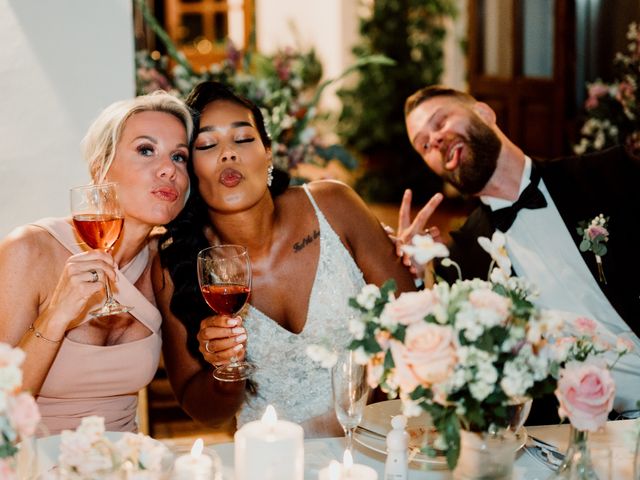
(306, 241)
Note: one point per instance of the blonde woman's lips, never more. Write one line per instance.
(230, 177)
(166, 193)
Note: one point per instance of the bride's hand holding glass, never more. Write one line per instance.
(222, 340)
(224, 276)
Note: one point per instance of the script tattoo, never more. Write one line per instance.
(306, 241)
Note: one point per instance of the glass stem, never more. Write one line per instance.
(107, 288)
(349, 438)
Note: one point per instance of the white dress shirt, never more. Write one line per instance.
(542, 250)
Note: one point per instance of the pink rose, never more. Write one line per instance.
(586, 392)
(586, 325)
(490, 300)
(594, 230)
(426, 357)
(409, 307)
(23, 414)
(6, 470)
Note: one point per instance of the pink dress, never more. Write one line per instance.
(101, 380)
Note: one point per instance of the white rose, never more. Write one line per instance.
(368, 296)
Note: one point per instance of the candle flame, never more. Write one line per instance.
(334, 470)
(347, 459)
(196, 450)
(270, 417)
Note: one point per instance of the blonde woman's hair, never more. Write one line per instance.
(99, 144)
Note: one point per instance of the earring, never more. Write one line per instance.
(270, 175)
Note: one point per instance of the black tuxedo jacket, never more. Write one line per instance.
(582, 187)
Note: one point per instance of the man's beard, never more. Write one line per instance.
(483, 149)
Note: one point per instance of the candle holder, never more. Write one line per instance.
(195, 462)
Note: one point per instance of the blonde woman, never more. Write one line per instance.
(77, 365)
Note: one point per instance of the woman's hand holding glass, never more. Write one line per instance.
(222, 339)
(78, 285)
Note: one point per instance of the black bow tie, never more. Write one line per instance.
(531, 197)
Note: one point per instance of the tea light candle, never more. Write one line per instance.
(348, 470)
(269, 449)
(195, 465)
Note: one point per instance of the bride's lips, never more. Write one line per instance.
(230, 177)
(165, 193)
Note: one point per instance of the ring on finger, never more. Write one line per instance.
(206, 346)
(94, 276)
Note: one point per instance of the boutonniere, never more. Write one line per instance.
(594, 238)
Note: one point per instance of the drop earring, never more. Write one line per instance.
(270, 175)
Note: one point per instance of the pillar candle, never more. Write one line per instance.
(194, 465)
(269, 449)
(347, 470)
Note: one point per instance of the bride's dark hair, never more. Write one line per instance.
(184, 237)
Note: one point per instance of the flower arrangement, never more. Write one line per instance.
(613, 110)
(87, 453)
(595, 235)
(19, 414)
(286, 86)
(469, 352)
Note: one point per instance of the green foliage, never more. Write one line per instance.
(410, 32)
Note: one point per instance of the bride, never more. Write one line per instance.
(311, 248)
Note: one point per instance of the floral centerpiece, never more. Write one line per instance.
(468, 353)
(613, 110)
(465, 352)
(19, 415)
(86, 453)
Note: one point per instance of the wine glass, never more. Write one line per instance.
(350, 393)
(224, 274)
(98, 219)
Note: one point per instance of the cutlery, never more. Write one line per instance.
(544, 452)
(366, 431)
(539, 441)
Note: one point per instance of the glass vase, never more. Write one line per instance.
(577, 464)
(485, 456)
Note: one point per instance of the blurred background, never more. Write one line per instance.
(332, 76)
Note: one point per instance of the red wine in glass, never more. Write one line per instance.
(226, 299)
(224, 274)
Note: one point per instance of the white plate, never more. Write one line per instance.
(377, 418)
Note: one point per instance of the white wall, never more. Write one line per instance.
(61, 62)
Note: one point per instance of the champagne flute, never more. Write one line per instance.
(350, 393)
(98, 219)
(224, 274)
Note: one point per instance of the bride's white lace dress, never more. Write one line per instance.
(298, 388)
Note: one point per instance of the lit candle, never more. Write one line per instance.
(195, 465)
(269, 449)
(348, 470)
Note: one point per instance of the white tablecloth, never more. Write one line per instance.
(319, 452)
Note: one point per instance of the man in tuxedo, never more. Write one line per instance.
(538, 206)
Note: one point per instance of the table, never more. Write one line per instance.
(319, 452)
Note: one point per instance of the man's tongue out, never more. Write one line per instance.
(230, 177)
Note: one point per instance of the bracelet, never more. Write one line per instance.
(39, 335)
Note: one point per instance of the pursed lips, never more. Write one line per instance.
(166, 193)
(230, 177)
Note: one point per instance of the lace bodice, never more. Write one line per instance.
(298, 388)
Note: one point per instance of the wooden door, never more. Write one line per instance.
(522, 62)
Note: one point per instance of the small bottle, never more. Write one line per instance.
(396, 467)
